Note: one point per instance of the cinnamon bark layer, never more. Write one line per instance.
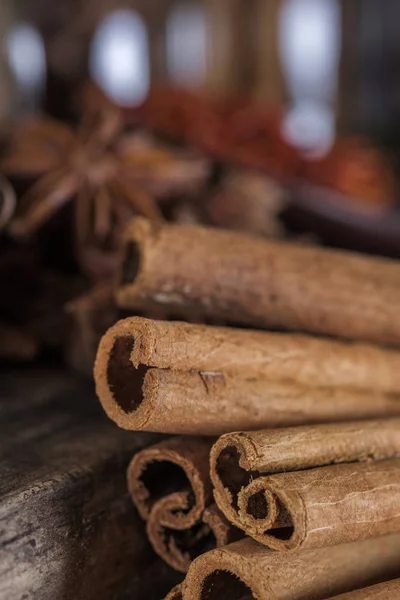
(247, 570)
(238, 458)
(388, 590)
(251, 280)
(133, 345)
(212, 403)
(178, 548)
(175, 466)
(325, 506)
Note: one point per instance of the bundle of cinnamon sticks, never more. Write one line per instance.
(304, 479)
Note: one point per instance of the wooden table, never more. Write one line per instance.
(67, 526)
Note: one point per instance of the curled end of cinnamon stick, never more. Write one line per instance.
(178, 547)
(270, 516)
(258, 508)
(170, 467)
(124, 385)
(230, 471)
(223, 574)
(139, 233)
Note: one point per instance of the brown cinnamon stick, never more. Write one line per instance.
(388, 590)
(133, 345)
(324, 506)
(246, 570)
(179, 547)
(177, 466)
(238, 458)
(212, 403)
(264, 283)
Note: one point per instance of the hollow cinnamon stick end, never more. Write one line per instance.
(225, 573)
(120, 385)
(137, 237)
(174, 465)
(173, 546)
(230, 462)
(258, 508)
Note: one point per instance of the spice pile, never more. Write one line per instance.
(157, 238)
(305, 501)
(179, 158)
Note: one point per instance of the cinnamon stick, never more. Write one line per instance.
(260, 282)
(133, 345)
(381, 591)
(238, 458)
(212, 403)
(177, 466)
(324, 506)
(179, 547)
(246, 570)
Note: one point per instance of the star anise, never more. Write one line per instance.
(109, 173)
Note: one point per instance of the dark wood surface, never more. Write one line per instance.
(67, 526)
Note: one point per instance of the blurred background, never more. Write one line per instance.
(333, 64)
(276, 117)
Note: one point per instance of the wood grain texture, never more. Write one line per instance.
(68, 529)
(258, 282)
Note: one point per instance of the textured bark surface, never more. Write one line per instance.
(128, 389)
(238, 458)
(388, 590)
(68, 529)
(170, 485)
(264, 283)
(178, 466)
(248, 570)
(180, 547)
(326, 506)
(193, 403)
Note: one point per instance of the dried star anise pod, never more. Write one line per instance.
(110, 174)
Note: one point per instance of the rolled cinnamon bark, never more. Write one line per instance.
(178, 466)
(176, 593)
(247, 570)
(192, 403)
(133, 345)
(238, 458)
(264, 283)
(388, 590)
(178, 548)
(324, 506)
